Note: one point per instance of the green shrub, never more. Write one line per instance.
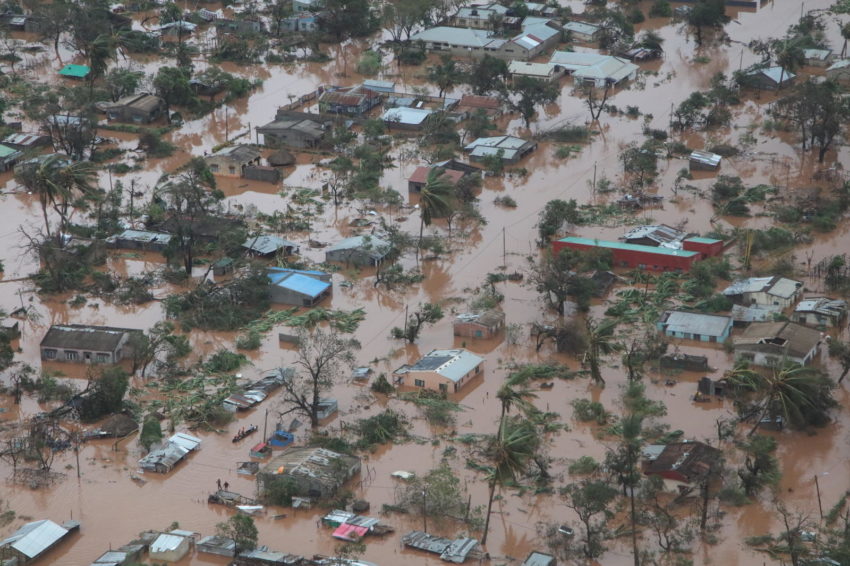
(585, 410)
(583, 466)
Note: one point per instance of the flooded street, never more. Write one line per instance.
(113, 508)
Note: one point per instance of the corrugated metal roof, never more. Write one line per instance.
(774, 73)
(373, 244)
(842, 64)
(380, 86)
(461, 37)
(573, 60)
(706, 157)
(823, 305)
(267, 244)
(304, 284)
(607, 244)
(75, 71)
(451, 364)
(539, 559)
(34, 538)
(531, 69)
(6, 151)
(581, 27)
(695, 323)
(144, 236)
(611, 68)
(409, 116)
(185, 441)
(166, 543)
(84, 337)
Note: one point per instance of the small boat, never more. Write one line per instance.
(245, 432)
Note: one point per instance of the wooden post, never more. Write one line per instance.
(820, 505)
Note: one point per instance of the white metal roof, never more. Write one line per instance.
(185, 441)
(463, 37)
(526, 68)
(166, 543)
(581, 27)
(34, 538)
(457, 363)
(409, 116)
(695, 323)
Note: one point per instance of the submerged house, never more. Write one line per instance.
(704, 161)
(839, 72)
(773, 343)
(776, 290)
(139, 240)
(267, 245)
(695, 326)
(352, 101)
(685, 462)
(34, 539)
(403, 118)
(510, 149)
(479, 325)
(298, 287)
(594, 68)
(455, 551)
(86, 344)
(359, 251)
(655, 235)
(582, 31)
(232, 160)
(171, 547)
(820, 311)
(653, 258)
(9, 156)
(164, 459)
(441, 370)
(303, 131)
(137, 108)
(419, 179)
(315, 472)
(770, 78)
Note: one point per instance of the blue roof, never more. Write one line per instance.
(303, 284)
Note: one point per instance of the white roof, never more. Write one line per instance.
(185, 441)
(611, 68)
(695, 323)
(34, 538)
(774, 73)
(463, 37)
(777, 286)
(530, 69)
(581, 27)
(784, 287)
(842, 64)
(502, 142)
(572, 60)
(706, 157)
(451, 364)
(817, 53)
(410, 116)
(167, 543)
(481, 12)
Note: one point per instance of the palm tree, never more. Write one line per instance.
(800, 395)
(600, 342)
(57, 183)
(514, 394)
(789, 57)
(435, 199)
(509, 453)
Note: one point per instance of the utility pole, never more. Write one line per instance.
(226, 132)
(424, 513)
(266, 426)
(820, 505)
(594, 178)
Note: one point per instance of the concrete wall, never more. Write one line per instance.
(87, 356)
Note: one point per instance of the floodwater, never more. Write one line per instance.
(113, 508)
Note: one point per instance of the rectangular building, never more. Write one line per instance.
(86, 344)
(633, 255)
(695, 326)
(441, 370)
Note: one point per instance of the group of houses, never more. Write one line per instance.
(767, 339)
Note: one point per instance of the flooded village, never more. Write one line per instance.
(383, 282)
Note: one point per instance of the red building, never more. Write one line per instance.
(707, 247)
(634, 255)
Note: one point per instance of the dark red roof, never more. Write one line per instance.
(478, 101)
(421, 175)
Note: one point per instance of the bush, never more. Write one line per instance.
(224, 361)
(505, 201)
(660, 9)
(151, 432)
(369, 64)
(636, 16)
(381, 385)
(585, 410)
(251, 340)
(583, 466)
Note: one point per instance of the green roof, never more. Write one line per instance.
(701, 240)
(6, 151)
(631, 247)
(75, 71)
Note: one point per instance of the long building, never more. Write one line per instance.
(635, 255)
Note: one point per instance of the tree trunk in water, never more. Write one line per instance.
(844, 373)
(635, 552)
(489, 509)
(704, 518)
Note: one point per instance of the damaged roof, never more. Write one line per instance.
(779, 337)
(692, 460)
(85, 337)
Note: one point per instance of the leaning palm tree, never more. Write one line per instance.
(58, 184)
(514, 395)
(435, 199)
(600, 342)
(509, 453)
(800, 395)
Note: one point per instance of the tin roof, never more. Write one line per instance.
(6, 151)
(706, 157)
(166, 543)
(408, 116)
(24, 139)
(693, 460)
(776, 285)
(380, 86)
(695, 323)
(267, 244)
(662, 234)
(461, 37)
(583, 28)
(185, 441)
(823, 305)
(607, 244)
(241, 153)
(144, 236)
(451, 364)
(303, 284)
(34, 538)
(84, 337)
(420, 175)
(780, 337)
(529, 69)
(376, 246)
(774, 73)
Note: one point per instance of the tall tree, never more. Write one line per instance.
(446, 75)
(589, 499)
(819, 111)
(429, 313)
(435, 199)
(707, 14)
(801, 395)
(172, 84)
(488, 75)
(59, 185)
(600, 343)
(347, 18)
(527, 93)
(508, 453)
(190, 197)
(323, 356)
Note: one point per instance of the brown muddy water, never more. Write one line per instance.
(113, 508)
